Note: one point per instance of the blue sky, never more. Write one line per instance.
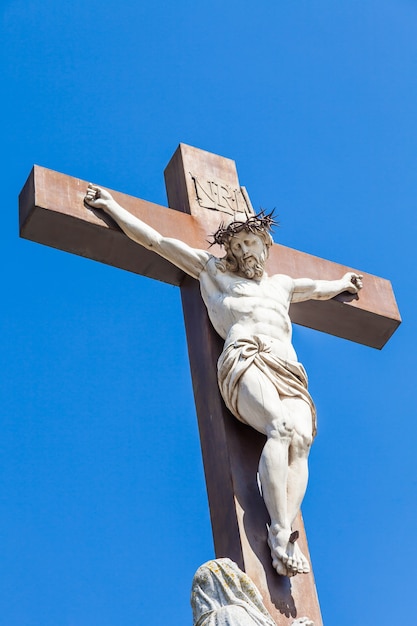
(104, 516)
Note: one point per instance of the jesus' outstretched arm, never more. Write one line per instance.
(190, 260)
(308, 289)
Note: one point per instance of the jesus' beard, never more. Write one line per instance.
(252, 267)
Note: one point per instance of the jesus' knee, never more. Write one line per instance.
(280, 431)
(300, 445)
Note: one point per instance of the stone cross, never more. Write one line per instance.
(203, 190)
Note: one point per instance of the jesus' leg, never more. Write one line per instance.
(299, 449)
(260, 406)
(281, 471)
(296, 486)
(274, 474)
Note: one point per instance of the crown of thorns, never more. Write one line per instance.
(255, 224)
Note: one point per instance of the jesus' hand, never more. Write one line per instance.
(353, 282)
(98, 198)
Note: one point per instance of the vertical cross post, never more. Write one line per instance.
(206, 185)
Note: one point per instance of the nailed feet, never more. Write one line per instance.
(287, 558)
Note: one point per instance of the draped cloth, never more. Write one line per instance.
(288, 377)
(223, 595)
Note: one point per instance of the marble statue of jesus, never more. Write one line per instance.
(260, 378)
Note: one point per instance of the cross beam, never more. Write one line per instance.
(52, 213)
(203, 189)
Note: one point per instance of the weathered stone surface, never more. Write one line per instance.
(222, 595)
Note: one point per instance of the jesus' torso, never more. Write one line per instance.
(239, 307)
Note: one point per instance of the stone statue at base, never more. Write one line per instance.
(223, 595)
(260, 378)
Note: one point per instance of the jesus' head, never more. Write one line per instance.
(246, 245)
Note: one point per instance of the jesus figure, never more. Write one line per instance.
(260, 379)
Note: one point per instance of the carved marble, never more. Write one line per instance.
(223, 595)
(260, 378)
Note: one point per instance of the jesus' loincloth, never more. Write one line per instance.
(288, 377)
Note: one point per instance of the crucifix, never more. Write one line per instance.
(203, 190)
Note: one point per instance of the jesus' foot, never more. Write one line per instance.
(287, 558)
